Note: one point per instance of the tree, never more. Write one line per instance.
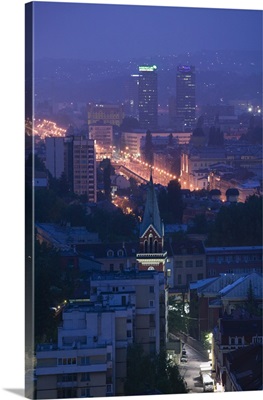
(170, 203)
(238, 224)
(129, 123)
(199, 131)
(176, 320)
(52, 285)
(176, 164)
(170, 140)
(48, 206)
(75, 215)
(151, 373)
(148, 148)
(251, 303)
(107, 172)
(175, 201)
(200, 224)
(46, 276)
(119, 226)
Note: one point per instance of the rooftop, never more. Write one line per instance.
(245, 365)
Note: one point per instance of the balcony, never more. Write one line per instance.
(70, 369)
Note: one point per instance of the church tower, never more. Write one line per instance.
(151, 255)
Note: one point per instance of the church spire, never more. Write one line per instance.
(151, 214)
(151, 255)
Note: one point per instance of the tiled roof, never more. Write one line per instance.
(187, 246)
(101, 250)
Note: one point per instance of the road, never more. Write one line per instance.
(190, 370)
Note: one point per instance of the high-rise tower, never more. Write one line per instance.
(148, 97)
(185, 97)
(133, 96)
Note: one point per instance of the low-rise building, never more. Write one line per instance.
(212, 297)
(64, 237)
(114, 257)
(188, 263)
(232, 333)
(233, 259)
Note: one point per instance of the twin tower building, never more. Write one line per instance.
(143, 98)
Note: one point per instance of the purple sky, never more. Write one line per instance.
(99, 31)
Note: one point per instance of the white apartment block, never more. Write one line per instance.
(89, 359)
(91, 350)
(146, 293)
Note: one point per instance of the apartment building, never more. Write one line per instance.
(188, 263)
(147, 293)
(83, 362)
(89, 358)
(84, 168)
(233, 259)
(233, 334)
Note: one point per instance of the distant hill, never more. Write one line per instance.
(219, 74)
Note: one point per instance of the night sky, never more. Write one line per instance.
(105, 31)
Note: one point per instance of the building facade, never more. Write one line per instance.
(90, 356)
(55, 155)
(109, 114)
(133, 96)
(84, 168)
(235, 259)
(83, 362)
(232, 334)
(185, 96)
(148, 97)
(103, 137)
(133, 141)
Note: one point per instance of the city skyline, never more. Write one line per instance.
(109, 31)
(14, 100)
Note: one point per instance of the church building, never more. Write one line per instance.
(151, 254)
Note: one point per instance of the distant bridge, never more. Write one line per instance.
(130, 174)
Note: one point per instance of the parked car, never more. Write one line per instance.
(183, 359)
